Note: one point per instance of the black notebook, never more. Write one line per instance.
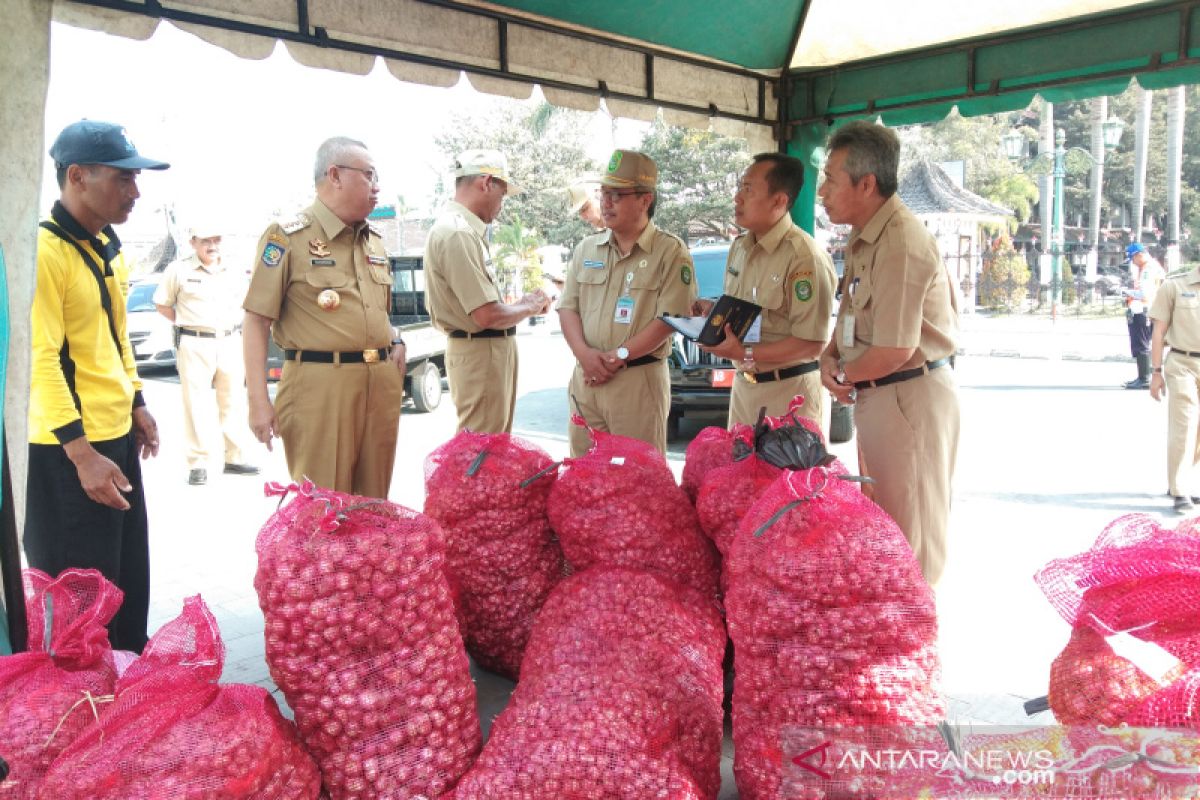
(710, 330)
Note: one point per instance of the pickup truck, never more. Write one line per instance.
(425, 345)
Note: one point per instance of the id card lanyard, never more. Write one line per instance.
(624, 312)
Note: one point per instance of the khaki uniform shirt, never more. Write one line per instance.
(458, 270)
(1177, 304)
(895, 291)
(206, 298)
(657, 275)
(317, 251)
(787, 274)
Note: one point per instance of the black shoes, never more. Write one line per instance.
(241, 469)
(1183, 504)
(1138, 383)
(198, 477)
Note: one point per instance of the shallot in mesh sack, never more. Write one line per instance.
(831, 622)
(173, 733)
(361, 636)
(1133, 601)
(620, 697)
(488, 492)
(62, 684)
(618, 504)
(710, 449)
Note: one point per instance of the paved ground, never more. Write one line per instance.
(1052, 449)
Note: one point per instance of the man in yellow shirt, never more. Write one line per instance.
(87, 420)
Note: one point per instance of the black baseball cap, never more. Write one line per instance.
(92, 142)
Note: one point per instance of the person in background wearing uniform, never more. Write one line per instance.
(779, 267)
(1147, 275)
(464, 300)
(618, 283)
(893, 339)
(322, 288)
(203, 299)
(1176, 317)
(88, 423)
(583, 202)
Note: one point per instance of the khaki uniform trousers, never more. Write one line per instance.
(212, 369)
(483, 382)
(747, 398)
(633, 403)
(339, 424)
(908, 442)
(1181, 374)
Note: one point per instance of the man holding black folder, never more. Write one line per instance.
(891, 347)
(779, 267)
(618, 284)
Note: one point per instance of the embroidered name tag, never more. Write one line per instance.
(593, 264)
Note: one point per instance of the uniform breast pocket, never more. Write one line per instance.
(381, 275)
(592, 284)
(768, 293)
(325, 278)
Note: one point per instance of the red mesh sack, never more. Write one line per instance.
(831, 621)
(63, 683)
(174, 733)
(1138, 578)
(488, 492)
(712, 448)
(361, 636)
(618, 504)
(620, 697)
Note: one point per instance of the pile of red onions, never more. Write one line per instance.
(488, 492)
(361, 636)
(620, 696)
(171, 732)
(56, 689)
(831, 621)
(1142, 581)
(712, 448)
(618, 504)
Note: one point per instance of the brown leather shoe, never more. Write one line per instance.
(241, 469)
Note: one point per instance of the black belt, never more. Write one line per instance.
(203, 334)
(902, 375)
(351, 357)
(486, 333)
(642, 361)
(1185, 352)
(782, 374)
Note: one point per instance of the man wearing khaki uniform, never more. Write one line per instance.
(1176, 317)
(464, 300)
(893, 339)
(203, 299)
(322, 288)
(779, 267)
(618, 284)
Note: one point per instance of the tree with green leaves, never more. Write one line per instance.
(518, 262)
(698, 173)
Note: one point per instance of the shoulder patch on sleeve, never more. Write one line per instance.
(297, 223)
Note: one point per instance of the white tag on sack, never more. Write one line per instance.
(618, 460)
(1146, 656)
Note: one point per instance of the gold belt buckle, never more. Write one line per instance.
(370, 356)
(749, 376)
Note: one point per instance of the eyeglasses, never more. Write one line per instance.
(371, 175)
(616, 197)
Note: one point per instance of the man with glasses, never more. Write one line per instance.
(321, 288)
(618, 285)
(464, 300)
(202, 298)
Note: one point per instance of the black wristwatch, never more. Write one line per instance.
(397, 341)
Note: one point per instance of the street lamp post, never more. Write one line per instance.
(1063, 160)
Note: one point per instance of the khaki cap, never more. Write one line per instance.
(629, 169)
(578, 194)
(205, 228)
(484, 162)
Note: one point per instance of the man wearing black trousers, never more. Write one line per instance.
(88, 422)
